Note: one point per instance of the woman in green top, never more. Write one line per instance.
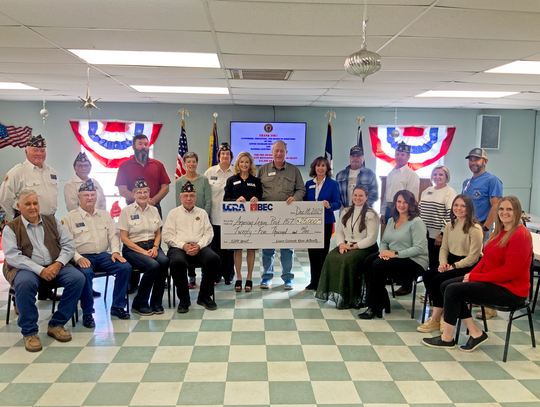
(202, 189)
(403, 253)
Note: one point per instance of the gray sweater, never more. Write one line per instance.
(409, 240)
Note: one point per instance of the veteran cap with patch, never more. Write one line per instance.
(36, 141)
(88, 185)
(403, 148)
(477, 152)
(188, 187)
(140, 183)
(356, 150)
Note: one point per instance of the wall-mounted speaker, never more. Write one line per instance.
(488, 131)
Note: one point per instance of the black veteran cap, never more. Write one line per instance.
(224, 146)
(477, 152)
(188, 187)
(140, 183)
(403, 148)
(88, 185)
(81, 158)
(356, 150)
(36, 141)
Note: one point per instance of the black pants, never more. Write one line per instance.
(458, 294)
(377, 271)
(433, 279)
(433, 253)
(317, 256)
(210, 262)
(226, 269)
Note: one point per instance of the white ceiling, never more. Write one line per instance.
(424, 45)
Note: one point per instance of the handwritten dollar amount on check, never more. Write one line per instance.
(273, 225)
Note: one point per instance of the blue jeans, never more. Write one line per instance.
(26, 284)
(155, 273)
(103, 262)
(286, 263)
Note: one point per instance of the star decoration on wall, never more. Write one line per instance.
(88, 102)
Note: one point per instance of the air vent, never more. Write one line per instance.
(260, 74)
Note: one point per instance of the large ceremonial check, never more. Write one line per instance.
(272, 225)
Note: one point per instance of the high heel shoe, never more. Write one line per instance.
(370, 314)
(238, 286)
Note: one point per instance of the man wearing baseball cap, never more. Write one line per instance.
(486, 190)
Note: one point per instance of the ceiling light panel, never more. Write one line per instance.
(464, 94)
(182, 89)
(518, 67)
(16, 86)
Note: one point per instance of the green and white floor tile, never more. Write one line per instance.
(264, 348)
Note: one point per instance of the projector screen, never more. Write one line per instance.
(257, 138)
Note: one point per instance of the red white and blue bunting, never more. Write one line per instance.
(110, 142)
(428, 144)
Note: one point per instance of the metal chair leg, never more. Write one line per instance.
(169, 288)
(413, 297)
(426, 299)
(8, 307)
(106, 286)
(529, 314)
(54, 300)
(458, 328)
(508, 330)
(535, 296)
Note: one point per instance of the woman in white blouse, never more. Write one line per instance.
(356, 237)
(140, 232)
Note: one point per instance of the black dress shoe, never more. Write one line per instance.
(183, 307)
(132, 288)
(96, 294)
(88, 321)
(474, 343)
(158, 309)
(311, 286)
(144, 310)
(370, 314)
(207, 303)
(120, 313)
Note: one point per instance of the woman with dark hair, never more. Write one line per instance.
(460, 250)
(324, 189)
(502, 277)
(356, 237)
(403, 253)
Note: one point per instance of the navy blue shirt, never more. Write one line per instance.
(237, 187)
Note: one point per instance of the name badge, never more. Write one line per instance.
(80, 225)
(213, 178)
(236, 182)
(53, 176)
(249, 184)
(271, 174)
(313, 186)
(430, 193)
(133, 217)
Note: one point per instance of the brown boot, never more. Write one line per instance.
(59, 333)
(32, 343)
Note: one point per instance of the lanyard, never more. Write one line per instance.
(355, 222)
(467, 186)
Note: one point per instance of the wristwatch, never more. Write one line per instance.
(485, 228)
(396, 253)
(156, 246)
(454, 266)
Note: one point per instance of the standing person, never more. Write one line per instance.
(403, 253)
(243, 186)
(354, 175)
(82, 167)
(217, 177)
(502, 277)
(435, 208)
(37, 176)
(401, 177)
(204, 195)
(323, 189)
(281, 181)
(486, 190)
(188, 232)
(459, 253)
(94, 232)
(341, 279)
(37, 250)
(140, 232)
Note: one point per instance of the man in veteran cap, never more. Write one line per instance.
(188, 232)
(94, 232)
(82, 167)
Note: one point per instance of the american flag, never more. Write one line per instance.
(14, 136)
(328, 147)
(182, 149)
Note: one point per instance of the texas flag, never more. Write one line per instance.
(110, 142)
(428, 144)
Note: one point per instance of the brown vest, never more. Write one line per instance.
(52, 242)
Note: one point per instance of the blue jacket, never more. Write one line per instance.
(329, 192)
(366, 177)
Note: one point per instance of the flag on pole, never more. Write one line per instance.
(182, 149)
(213, 147)
(328, 147)
(14, 136)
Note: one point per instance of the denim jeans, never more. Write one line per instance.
(26, 284)
(103, 262)
(286, 263)
(155, 273)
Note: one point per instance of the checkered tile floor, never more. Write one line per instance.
(265, 348)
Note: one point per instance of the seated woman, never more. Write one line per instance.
(341, 275)
(404, 253)
(140, 232)
(460, 250)
(502, 277)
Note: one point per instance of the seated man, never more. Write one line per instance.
(94, 232)
(37, 250)
(188, 232)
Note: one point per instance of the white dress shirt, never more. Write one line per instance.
(26, 175)
(93, 234)
(183, 227)
(217, 179)
(398, 179)
(140, 225)
(71, 193)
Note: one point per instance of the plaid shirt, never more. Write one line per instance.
(366, 178)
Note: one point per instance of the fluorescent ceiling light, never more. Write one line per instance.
(464, 94)
(518, 67)
(182, 89)
(16, 86)
(148, 58)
